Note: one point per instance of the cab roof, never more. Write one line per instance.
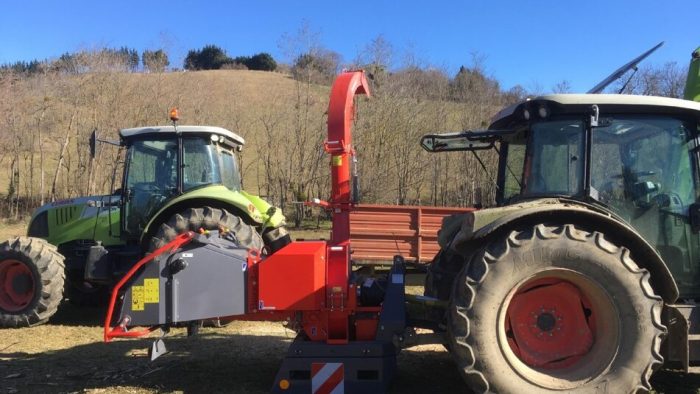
(617, 102)
(127, 134)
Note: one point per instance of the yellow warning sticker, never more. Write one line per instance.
(337, 161)
(151, 290)
(137, 298)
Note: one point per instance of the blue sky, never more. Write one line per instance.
(532, 43)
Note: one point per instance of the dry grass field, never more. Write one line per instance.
(12, 229)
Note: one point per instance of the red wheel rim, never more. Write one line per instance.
(16, 285)
(550, 323)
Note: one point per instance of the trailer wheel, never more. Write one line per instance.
(555, 308)
(194, 219)
(31, 282)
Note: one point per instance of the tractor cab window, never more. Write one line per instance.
(513, 161)
(637, 162)
(229, 170)
(151, 179)
(555, 159)
(642, 169)
(200, 163)
(206, 163)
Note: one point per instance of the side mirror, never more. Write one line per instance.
(462, 140)
(428, 143)
(93, 144)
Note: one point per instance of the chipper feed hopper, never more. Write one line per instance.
(349, 328)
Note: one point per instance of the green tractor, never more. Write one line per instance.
(175, 179)
(585, 277)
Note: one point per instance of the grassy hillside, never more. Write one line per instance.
(46, 119)
(46, 110)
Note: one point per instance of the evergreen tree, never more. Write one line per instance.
(155, 61)
(262, 61)
(211, 57)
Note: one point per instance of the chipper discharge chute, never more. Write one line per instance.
(350, 328)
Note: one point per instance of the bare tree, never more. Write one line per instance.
(667, 80)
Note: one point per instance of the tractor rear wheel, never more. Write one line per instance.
(207, 218)
(31, 282)
(555, 308)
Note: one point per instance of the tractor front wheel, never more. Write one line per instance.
(31, 282)
(194, 219)
(555, 308)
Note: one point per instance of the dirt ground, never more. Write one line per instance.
(68, 355)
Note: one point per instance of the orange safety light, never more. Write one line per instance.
(174, 114)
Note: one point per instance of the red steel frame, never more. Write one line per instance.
(120, 330)
(341, 111)
(331, 320)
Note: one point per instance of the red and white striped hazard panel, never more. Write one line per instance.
(327, 378)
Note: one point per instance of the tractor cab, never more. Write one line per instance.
(163, 163)
(633, 157)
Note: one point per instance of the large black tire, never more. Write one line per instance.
(206, 218)
(499, 349)
(31, 282)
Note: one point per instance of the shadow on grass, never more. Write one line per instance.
(72, 315)
(210, 363)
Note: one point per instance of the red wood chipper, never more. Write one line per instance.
(350, 328)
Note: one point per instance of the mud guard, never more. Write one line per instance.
(479, 225)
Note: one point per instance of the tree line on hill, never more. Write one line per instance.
(210, 57)
(48, 109)
(105, 59)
